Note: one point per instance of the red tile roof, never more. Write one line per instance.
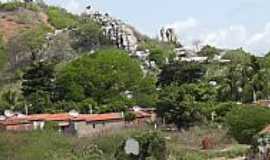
(104, 117)
(13, 122)
(68, 117)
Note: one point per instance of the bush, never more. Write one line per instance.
(219, 110)
(151, 146)
(129, 116)
(246, 121)
(60, 18)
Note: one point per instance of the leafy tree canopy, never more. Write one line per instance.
(208, 51)
(107, 76)
(176, 106)
(238, 56)
(244, 122)
(181, 72)
(38, 86)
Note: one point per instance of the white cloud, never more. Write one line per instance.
(185, 25)
(233, 36)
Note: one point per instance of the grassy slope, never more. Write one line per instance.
(52, 146)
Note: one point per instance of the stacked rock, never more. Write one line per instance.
(123, 36)
(117, 31)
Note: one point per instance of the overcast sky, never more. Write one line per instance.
(223, 23)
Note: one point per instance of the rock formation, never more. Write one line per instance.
(121, 34)
(168, 35)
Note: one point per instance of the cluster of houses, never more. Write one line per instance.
(189, 55)
(76, 124)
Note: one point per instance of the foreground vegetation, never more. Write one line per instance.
(54, 146)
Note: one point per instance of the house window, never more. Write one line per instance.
(94, 125)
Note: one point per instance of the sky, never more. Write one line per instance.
(222, 23)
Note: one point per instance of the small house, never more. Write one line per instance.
(74, 123)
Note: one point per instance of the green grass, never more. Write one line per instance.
(54, 146)
(49, 145)
(187, 145)
(34, 145)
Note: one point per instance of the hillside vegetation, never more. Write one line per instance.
(52, 61)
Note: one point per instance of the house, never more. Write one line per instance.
(74, 123)
(16, 125)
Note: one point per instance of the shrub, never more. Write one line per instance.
(219, 110)
(60, 18)
(246, 121)
(129, 116)
(151, 146)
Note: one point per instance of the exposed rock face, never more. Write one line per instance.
(168, 35)
(117, 31)
(123, 36)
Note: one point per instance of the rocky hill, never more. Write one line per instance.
(55, 29)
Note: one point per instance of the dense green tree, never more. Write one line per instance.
(244, 122)
(108, 77)
(177, 107)
(245, 82)
(181, 72)
(238, 56)
(209, 51)
(146, 93)
(229, 88)
(38, 86)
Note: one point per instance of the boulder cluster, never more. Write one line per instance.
(117, 31)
